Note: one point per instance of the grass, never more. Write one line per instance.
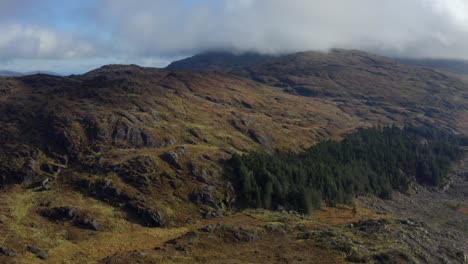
(68, 244)
(343, 215)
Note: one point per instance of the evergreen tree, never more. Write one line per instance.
(375, 160)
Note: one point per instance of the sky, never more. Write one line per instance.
(77, 36)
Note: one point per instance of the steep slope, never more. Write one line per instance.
(123, 146)
(147, 140)
(218, 61)
(361, 82)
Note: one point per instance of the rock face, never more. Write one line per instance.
(138, 171)
(205, 196)
(150, 217)
(71, 214)
(172, 158)
(260, 138)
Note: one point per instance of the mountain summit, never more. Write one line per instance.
(218, 61)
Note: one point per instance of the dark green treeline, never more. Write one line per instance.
(376, 160)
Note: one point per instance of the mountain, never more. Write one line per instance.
(42, 72)
(218, 61)
(127, 163)
(373, 82)
(224, 61)
(16, 74)
(455, 66)
(358, 81)
(10, 73)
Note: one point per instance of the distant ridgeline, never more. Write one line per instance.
(375, 160)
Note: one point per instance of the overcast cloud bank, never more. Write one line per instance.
(154, 32)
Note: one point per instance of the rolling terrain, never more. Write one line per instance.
(9, 74)
(455, 66)
(134, 156)
(218, 61)
(17, 74)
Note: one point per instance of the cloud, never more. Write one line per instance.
(414, 28)
(31, 42)
(158, 30)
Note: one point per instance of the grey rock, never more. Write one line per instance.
(205, 196)
(260, 138)
(172, 159)
(201, 174)
(150, 217)
(90, 223)
(8, 252)
(39, 252)
(71, 214)
(238, 234)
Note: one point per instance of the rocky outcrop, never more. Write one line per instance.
(232, 233)
(260, 138)
(150, 217)
(140, 171)
(104, 190)
(124, 132)
(73, 215)
(39, 252)
(200, 173)
(8, 252)
(20, 164)
(205, 196)
(172, 159)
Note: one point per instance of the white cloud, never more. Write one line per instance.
(17, 41)
(153, 31)
(428, 28)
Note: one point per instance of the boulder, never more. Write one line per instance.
(150, 217)
(172, 159)
(260, 138)
(89, 223)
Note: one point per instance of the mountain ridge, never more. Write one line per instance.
(5, 73)
(218, 61)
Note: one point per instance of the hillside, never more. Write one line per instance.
(455, 66)
(361, 83)
(123, 150)
(17, 74)
(218, 61)
(387, 85)
(10, 73)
